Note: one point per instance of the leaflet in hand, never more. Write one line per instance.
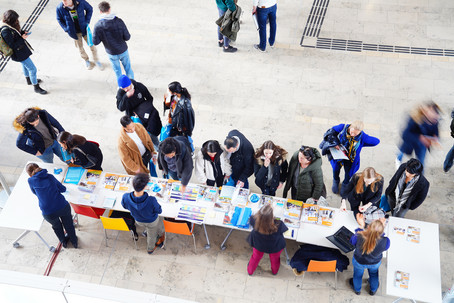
(124, 183)
(292, 213)
(110, 180)
(225, 198)
(192, 213)
(207, 194)
(90, 180)
(401, 279)
(318, 215)
(189, 195)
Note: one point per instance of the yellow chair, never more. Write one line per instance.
(116, 224)
(180, 228)
(322, 266)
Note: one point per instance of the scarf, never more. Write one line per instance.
(402, 193)
(350, 143)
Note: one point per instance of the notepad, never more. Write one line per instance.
(74, 174)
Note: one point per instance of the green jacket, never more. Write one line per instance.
(226, 4)
(310, 180)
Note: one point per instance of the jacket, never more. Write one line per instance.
(183, 160)
(21, 48)
(183, 118)
(140, 103)
(261, 173)
(84, 13)
(229, 23)
(129, 152)
(375, 256)
(144, 209)
(367, 196)
(205, 169)
(310, 180)
(308, 252)
(112, 32)
(91, 150)
(29, 139)
(242, 161)
(226, 4)
(417, 195)
(48, 190)
(269, 244)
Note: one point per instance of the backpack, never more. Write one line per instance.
(5, 49)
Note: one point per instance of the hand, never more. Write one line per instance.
(130, 92)
(343, 207)
(425, 141)
(138, 170)
(254, 10)
(364, 207)
(360, 219)
(267, 162)
(280, 185)
(72, 160)
(183, 188)
(240, 184)
(38, 154)
(337, 147)
(25, 36)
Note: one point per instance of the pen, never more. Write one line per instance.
(293, 232)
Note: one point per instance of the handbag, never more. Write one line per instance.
(165, 132)
(89, 36)
(91, 159)
(146, 157)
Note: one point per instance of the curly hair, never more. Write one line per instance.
(278, 152)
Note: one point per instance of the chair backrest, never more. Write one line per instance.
(322, 266)
(84, 210)
(177, 228)
(114, 223)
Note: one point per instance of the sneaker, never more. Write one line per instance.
(89, 65)
(160, 241)
(136, 236)
(398, 163)
(297, 273)
(257, 47)
(221, 43)
(351, 285)
(151, 251)
(144, 234)
(229, 49)
(99, 65)
(272, 46)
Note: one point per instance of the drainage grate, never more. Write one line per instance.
(315, 20)
(27, 26)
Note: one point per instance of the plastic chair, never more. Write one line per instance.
(92, 212)
(116, 224)
(180, 228)
(323, 266)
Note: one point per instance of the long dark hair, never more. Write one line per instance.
(264, 220)
(29, 115)
(175, 87)
(211, 146)
(11, 18)
(71, 141)
(278, 152)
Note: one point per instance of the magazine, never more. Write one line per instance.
(189, 195)
(399, 230)
(401, 279)
(207, 194)
(124, 183)
(240, 196)
(74, 174)
(292, 213)
(224, 199)
(109, 201)
(110, 180)
(158, 188)
(413, 234)
(316, 214)
(238, 216)
(90, 180)
(192, 213)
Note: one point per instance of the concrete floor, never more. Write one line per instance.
(290, 94)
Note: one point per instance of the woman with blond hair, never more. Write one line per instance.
(364, 188)
(267, 236)
(370, 245)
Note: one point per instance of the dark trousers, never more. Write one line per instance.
(347, 165)
(62, 218)
(130, 222)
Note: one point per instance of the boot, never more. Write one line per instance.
(39, 90)
(30, 82)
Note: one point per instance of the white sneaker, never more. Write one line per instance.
(398, 163)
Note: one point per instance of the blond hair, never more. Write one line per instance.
(359, 125)
(368, 173)
(371, 236)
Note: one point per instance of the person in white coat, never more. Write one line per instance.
(212, 166)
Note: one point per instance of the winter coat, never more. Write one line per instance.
(113, 33)
(310, 180)
(129, 152)
(140, 103)
(30, 140)
(261, 173)
(21, 48)
(229, 23)
(48, 190)
(242, 161)
(84, 13)
(144, 209)
(269, 244)
(367, 196)
(183, 118)
(205, 169)
(183, 160)
(88, 149)
(417, 195)
(308, 252)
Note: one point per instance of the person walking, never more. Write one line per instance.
(447, 164)
(223, 41)
(85, 153)
(265, 10)
(15, 38)
(211, 164)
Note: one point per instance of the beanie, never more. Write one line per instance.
(124, 81)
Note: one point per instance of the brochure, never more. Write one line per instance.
(240, 196)
(74, 174)
(192, 213)
(399, 230)
(317, 215)
(110, 180)
(224, 199)
(158, 188)
(238, 217)
(124, 183)
(109, 201)
(87, 199)
(207, 194)
(189, 195)
(90, 180)
(292, 213)
(401, 279)
(413, 234)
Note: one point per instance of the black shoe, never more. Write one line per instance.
(29, 82)
(221, 44)
(335, 187)
(75, 245)
(372, 293)
(229, 49)
(257, 47)
(351, 285)
(136, 236)
(39, 90)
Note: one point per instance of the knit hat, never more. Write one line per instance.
(124, 81)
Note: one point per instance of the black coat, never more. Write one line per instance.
(366, 196)
(261, 173)
(141, 103)
(21, 48)
(417, 195)
(89, 149)
(242, 161)
(184, 160)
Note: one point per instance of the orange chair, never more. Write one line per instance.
(180, 228)
(92, 212)
(323, 266)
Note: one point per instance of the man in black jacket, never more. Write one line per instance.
(112, 32)
(241, 153)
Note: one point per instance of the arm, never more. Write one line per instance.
(96, 35)
(318, 183)
(126, 35)
(187, 168)
(351, 185)
(375, 200)
(31, 186)
(260, 173)
(369, 140)
(123, 203)
(88, 12)
(354, 238)
(284, 170)
(199, 169)
(122, 100)
(248, 154)
(61, 19)
(21, 143)
(225, 164)
(126, 158)
(54, 122)
(156, 206)
(146, 93)
(420, 196)
(61, 188)
(230, 5)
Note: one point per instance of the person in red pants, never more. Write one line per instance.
(266, 237)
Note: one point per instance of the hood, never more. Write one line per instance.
(107, 16)
(19, 127)
(41, 174)
(138, 201)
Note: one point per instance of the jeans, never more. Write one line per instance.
(420, 153)
(79, 44)
(29, 70)
(449, 159)
(172, 174)
(401, 213)
(152, 232)
(63, 218)
(257, 255)
(262, 15)
(358, 270)
(220, 36)
(48, 155)
(337, 168)
(124, 58)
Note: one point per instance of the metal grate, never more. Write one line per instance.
(315, 20)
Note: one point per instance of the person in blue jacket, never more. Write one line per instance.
(38, 132)
(53, 205)
(74, 17)
(145, 210)
(350, 139)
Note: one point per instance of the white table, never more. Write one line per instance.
(22, 211)
(421, 260)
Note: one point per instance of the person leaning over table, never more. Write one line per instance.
(86, 153)
(305, 176)
(211, 164)
(38, 132)
(365, 187)
(370, 243)
(53, 205)
(241, 156)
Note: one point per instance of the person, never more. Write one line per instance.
(211, 164)
(175, 159)
(113, 33)
(135, 147)
(364, 188)
(407, 189)
(241, 154)
(350, 139)
(135, 99)
(181, 115)
(145, 210)
(84, 153)
(270, 167)
(369, 247)
(305, 176)
(53, 205)
(447, 164)
(15, 38)
(421, 132)
(223, 41)
(74, 16)
(38, 132)
(267, 236)
(265, 10)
